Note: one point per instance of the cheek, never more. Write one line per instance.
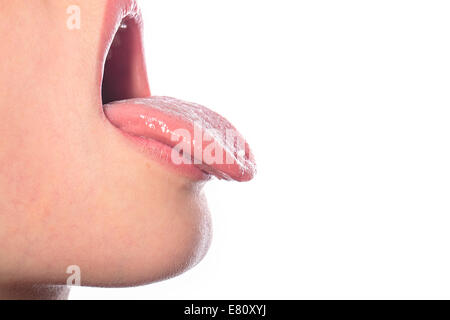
(87, 200)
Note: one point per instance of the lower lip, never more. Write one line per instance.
(161, 153)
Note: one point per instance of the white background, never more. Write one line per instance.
(347, 107)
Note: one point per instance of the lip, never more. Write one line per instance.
(150, 122)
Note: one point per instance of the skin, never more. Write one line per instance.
(72, 189)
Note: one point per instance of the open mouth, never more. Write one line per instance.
(188, 137)
(124, 73)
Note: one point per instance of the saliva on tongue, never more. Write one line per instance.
(195, 133)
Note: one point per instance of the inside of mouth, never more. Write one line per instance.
(124, 74)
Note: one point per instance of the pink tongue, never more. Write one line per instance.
(201, 136)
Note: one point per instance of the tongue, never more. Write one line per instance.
(197, 135)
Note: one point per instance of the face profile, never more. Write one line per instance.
(98, 176)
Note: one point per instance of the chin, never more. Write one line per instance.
(147, 243)
(143, 235)
(124, 222)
